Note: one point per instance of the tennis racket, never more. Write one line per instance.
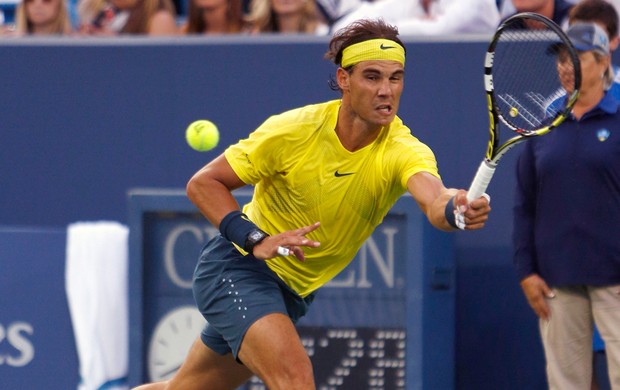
(532, 78)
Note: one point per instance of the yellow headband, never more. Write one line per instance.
(374, 49)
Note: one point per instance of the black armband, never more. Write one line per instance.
(449, 213)
(237, 227)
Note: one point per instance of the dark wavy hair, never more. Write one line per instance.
(358, 31)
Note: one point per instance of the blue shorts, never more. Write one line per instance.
(233, 291)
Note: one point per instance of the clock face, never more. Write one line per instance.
(173, 336)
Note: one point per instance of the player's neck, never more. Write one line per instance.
(353, 132)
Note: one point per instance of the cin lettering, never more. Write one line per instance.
(374, 267)
(187, 239)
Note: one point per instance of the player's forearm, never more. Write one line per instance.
(210, 190)
(212, 198)
(432, 197)
(442, 205)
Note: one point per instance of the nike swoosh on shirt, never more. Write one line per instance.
(338, 174)
(382, 47)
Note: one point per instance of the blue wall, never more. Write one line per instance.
(84, 121)
(37, 347)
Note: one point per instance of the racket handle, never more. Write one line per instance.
(481, 180)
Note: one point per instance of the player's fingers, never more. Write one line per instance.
(460, 201)
(482, 203)
(306, 229)
(474, 226)
(292, 240)
(475, 219)
(299, 253)
(283, 251)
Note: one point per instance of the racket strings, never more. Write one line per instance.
(529, 92)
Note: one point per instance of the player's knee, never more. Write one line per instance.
(296, 375)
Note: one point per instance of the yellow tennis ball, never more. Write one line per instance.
(514, 112)
(202, 135)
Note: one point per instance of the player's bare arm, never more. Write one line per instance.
(433, 199)
(216, 180)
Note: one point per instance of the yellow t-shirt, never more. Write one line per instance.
(303, 174)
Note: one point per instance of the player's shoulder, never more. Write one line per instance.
(401, 140)
(301, 123)
(312, 109)
(399, 132)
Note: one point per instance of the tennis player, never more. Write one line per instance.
(325, 175)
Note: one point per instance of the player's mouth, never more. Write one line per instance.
(385, 109)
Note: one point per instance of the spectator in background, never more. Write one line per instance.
(332, 10)
(142, 17)
(556, 10)
(605, 15)
(214, 17)
(42, 17)
(92, 14)
(285, 16)
(565, 208)
(430, 17)
(507, 8)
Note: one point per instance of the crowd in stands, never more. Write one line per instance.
(318, 17)
(183, 17)
(163, 17)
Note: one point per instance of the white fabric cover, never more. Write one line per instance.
(96, 283)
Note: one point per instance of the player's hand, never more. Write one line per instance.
(287, 243)
(537, 292)
(474, 215)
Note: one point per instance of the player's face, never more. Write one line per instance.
(374, 89)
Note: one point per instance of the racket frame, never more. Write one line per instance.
(495, 151)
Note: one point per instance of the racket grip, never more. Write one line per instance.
(481, 180)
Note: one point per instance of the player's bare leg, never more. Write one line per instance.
(273, 350)
(204, 368)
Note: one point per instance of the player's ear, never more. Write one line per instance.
(343, 78)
